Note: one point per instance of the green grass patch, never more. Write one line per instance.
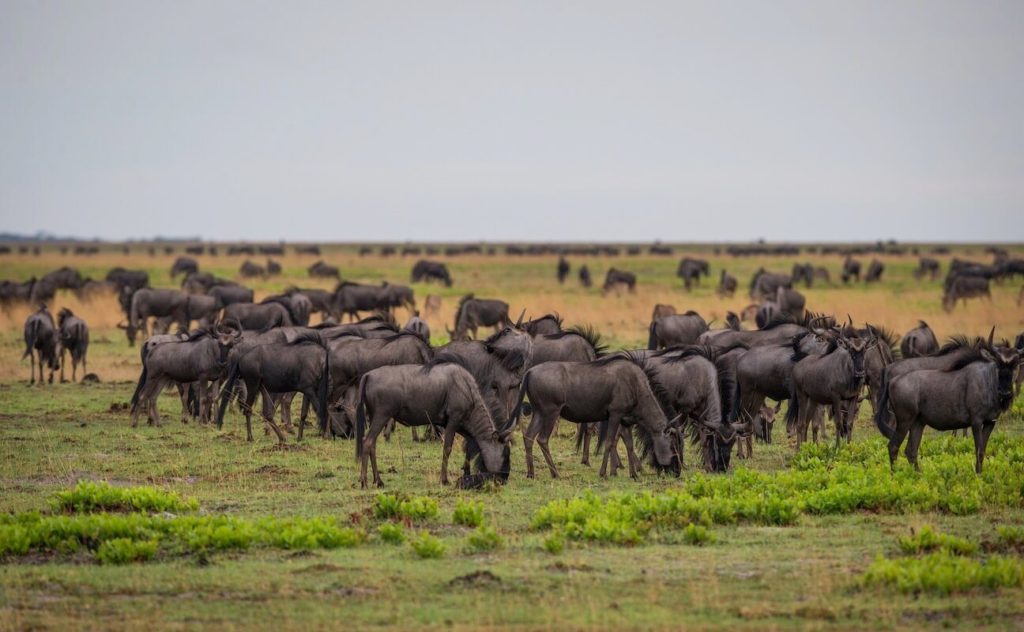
(468, 513)
(927, 540)
(483, 539)
(427, 546)
(125, 551)
(401, 507)
(943, 573)
(391, 533)
(88, 496)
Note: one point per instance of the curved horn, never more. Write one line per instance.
(991, 335)
(519, 322)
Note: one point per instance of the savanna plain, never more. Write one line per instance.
(232, 534)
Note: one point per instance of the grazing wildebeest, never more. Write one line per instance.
(803, 272)
(473, 313)
(961, 288)
(679, 329)
(441, 394)
(322, 300)
(261, 316)
(834, 378)
(198, 359)
(662, 310)
(230, 294)
(690, 271)
(64, 278)
(919, 341)
(851, 269)
(156, 303)
(616, 278)
(1010, 268)
(42, 341)
(321, 269)
(563, 269)
(13, 292)
(727, 285)
(184, 265)
(766, 284)
(613, 390)
(351, 298)
(419, 327)
(74, 338)
(972, 393)
(432, 305)
(929, 266)
(584, 276)
(134, 279)
(273, 268)
(301, 365)
(880, 354)
(392, 296)
(875, 270)
(308, 250)
(251, 270)
(426, 271)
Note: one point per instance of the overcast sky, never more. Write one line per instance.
(513, 120)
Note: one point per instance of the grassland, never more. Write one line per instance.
(753, 575)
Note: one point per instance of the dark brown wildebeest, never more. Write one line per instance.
(765, 284)
(63, 278)
(311, 249)
(584, 276)
(441, 394)
(432, 305)
(727, 285)
(546, 324)
(14, 292)
(154, 303)
(851, 269)
(803, 272)
(615, 279)
(259, 317)
(426, 271)
(875, 270)
(134, 279)
(393, 296)
(613, 390)
(690, 271)
(475, 312)
(42, 341)
(418, 327)
(184, 265)
(351, 298)
(250, 270)
(929, 266)
(298, 305)
(960, 288)
(678, 329)
(919, 342)
(322, 300)
(273, 268)
(321, 269)
(972, 393)
(563, 269)
(662, 310)
(74, 338)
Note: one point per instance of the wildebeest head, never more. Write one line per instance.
(764, 421)
(1006, 359)
(855, 346)
(227, 333)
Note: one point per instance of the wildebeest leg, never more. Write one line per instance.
(62, 380)
(542, 441)
(612, 432)
(914, 442)
(541, 421)
(183, 396)
(268, 416)
(32, 374)
(585, 430)
(146, 400)
(251, 391)
(449, 439)
(898, 434)
(369, 451)
(415, 434)
(634, 462)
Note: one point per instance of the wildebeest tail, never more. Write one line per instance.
(323, 388)
(882, 412)
(652, 338)
(581, 434)
(513, 420)
(792, 412)
(361, 417)
(225, 394)
(142, 379)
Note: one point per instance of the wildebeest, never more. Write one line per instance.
(322, 300)
(440, 394)
(42, 341)
(972, 393)
(259, 317)
(184, 265)
(919, 341)
(301, 365)
(229, 294)
(311, 249)
(134, 279)
(614, 390)
(273, 268)
(662, 310)
(727, 285)
(834, 378)
(616, 278)
(803, 272)
(13, 292)
(851, 269)
(473, 313)
(929, 266)
(765, 284)
(418, 326)
(546, 324)
(251, 270)
(961, 288)
(351, 298)
(200, 358)
(425, 271)
(678, 329)
(584, 276)
(875, 270)
(63, 278)
(321, 269)
(298, 305)
(156, 303)
(563, 269)
(74, 338)
(392, 296)
(690, 271)
(787, 302)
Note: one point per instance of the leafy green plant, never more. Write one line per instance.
(484, 538)
(427, 546)
(391, 532)
(125, 551)
(414, 508)
(697, 535)
(554, 543)
(1011, 536)
(88, 496)
(927, 540)
(942, 573)
(468, 513)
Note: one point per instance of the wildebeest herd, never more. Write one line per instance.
(693, 383)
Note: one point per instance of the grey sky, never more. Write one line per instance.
(513, 120)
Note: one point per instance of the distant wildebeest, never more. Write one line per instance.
(961, 288)
(273, 268)
(259, 317)
(563, 269)
(63, 278)
(927, 266)
(441, 394)
(834, 378)
(972, 393)
(546, 324)
(351, 298)
(321, 269)
(251, 270)
(473, 313)
(803, 272)
(584, 276)
(613, 390)
(788, 303)
(616, 278)
(418, 326)
(298, 305)
(14, 292)
(971, 268)
(919, 341)
(230, 294)
(134, 279)
(432, 305)
(392, 296)
(301, 365)
(185, 266)
(1010, 268)
(155, 303)
(678, 329)
(310, 249)
(322, 300)
(74, 338)
(203, 282)
(690, 271)
(875, 270)
(851, 269)
(42, 341)
(426, 271)
(766, 284)
(662, 310)
(727, 285)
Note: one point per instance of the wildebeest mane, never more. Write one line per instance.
(958, 342)
(588, 333)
